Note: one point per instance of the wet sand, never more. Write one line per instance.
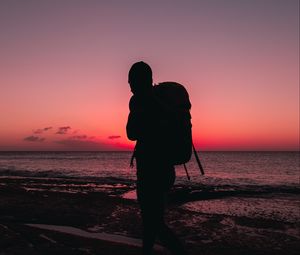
(207, 222)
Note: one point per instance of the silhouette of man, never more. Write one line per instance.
(155, 176)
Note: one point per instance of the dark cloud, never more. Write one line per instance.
(41, 130)
(34, 139)
(84, 142)
(114, 137)
(79, 137)
(63, 130)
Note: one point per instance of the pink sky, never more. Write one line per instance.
(65, 64)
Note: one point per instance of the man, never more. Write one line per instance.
(155, 175)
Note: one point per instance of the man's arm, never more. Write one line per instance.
(134, 121)
(131, 127)
(140, 120)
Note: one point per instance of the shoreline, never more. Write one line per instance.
(98, 207)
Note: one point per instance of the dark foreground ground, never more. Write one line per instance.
(98, 207)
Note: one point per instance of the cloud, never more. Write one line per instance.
(84, 142)
(38, 131)
(114, 137)
(34, 139)
(41, 130)
(79, 137)
(63, 130)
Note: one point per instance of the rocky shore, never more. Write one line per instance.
(207, 223)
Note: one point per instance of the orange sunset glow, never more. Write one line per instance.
(64, 67)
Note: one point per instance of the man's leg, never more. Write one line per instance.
(149, 232)
(170, 241)
(150, 211)
(154, 225)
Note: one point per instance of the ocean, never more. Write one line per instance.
(262, 187)
(231, 169)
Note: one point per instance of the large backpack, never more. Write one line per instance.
(177, 131)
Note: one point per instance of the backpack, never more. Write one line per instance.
(177, 131)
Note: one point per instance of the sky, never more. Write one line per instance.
(64, 67)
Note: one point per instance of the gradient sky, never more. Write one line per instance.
(64, 65)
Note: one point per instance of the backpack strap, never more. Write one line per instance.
(133, 157)
(198, 160)
(187, 173)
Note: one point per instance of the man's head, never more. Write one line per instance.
(140, 78)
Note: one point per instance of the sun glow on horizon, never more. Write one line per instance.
(65, 66)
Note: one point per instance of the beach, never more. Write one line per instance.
(87, 88)
(42, 215)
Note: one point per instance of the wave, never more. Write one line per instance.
(203, 192)
(27, 173)
(56, 174)
(193, 190)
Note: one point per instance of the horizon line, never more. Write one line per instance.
(132, 150)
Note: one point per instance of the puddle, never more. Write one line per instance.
(131, 195)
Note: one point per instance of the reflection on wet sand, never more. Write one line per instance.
(217, 220)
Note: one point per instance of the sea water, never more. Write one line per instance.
(271, 179)
(221, 168)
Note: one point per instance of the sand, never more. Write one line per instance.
(59, 216)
